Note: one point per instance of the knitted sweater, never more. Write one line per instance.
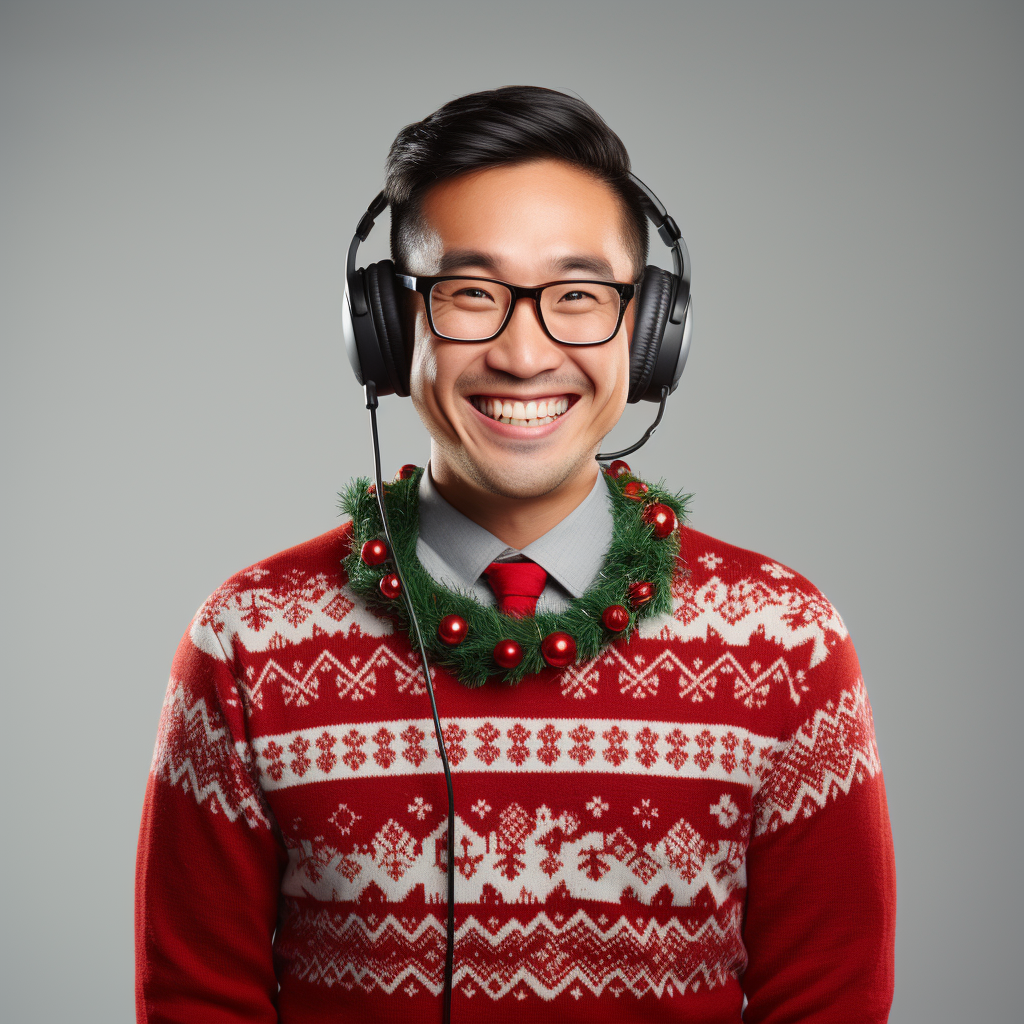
(695, 815)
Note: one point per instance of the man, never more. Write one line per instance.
(668, 797)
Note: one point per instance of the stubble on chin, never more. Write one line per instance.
(525, 478)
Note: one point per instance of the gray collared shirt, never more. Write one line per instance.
(455, 551)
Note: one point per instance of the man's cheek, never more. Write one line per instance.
(424, 372)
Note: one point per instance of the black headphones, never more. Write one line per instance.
(379, 351)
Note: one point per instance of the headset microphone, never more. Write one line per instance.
(608, 456)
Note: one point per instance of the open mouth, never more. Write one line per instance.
(534, 413)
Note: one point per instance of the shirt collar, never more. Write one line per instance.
(454, 548)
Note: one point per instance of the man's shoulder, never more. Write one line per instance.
(297, 594)
(739, 596)
(704, 554)
(318, 558)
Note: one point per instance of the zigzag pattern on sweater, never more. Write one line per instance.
(329, 676)
(550, 955)
(826, 756)
(194, 752)
(641, 677)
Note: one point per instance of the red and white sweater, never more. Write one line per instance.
(695, 815)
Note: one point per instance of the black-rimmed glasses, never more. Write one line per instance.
(479, 308)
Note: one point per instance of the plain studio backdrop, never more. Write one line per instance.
(181, 182)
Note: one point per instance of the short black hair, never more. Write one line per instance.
(510, 125)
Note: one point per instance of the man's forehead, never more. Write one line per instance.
(543, 218)
(457, 260)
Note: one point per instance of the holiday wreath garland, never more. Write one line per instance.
(476, 642)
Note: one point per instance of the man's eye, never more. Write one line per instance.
(576, 296)
(474, 293)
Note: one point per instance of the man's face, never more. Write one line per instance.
(526, 224)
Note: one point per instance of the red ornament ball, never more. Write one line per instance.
(390, 586)
(372, 489)
(640, 593)
(406, 471)
(558, 649)
(507, 653)
(452, 629)
(635, 489)
(374, 552)
(661, 517)
(618, 468)
(615, 618)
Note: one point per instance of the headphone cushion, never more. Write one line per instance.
(652, 313)
(382, 298)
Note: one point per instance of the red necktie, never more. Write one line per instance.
(517, 585)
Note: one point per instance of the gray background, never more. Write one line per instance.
(180, 183)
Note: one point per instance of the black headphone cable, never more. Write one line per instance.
(370, 390)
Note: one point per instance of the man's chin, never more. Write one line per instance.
(526, 478)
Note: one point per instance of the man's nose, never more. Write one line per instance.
(523, 349)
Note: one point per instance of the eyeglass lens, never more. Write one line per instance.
(574, 312)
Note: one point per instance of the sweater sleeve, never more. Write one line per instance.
(209, 859)
(821, 892)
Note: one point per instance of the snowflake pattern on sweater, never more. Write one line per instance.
(611, 818)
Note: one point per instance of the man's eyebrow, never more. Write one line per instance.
(461, 259)
(585, 265)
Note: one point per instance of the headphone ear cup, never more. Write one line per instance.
(652, 313)
(382, 299)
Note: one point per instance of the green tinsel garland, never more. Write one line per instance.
(635, 555)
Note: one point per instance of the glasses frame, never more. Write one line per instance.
(424, 285)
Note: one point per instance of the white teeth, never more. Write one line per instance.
(522, 414)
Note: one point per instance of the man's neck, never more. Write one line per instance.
(516, 521)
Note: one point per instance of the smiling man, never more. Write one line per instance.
(513, 469)
(668, 800)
